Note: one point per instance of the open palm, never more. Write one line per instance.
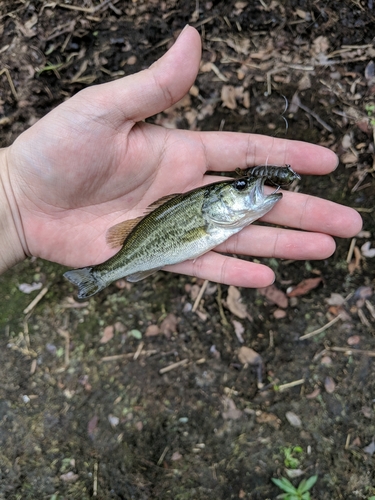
(93, 162)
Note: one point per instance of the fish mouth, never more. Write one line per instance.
(262, 200)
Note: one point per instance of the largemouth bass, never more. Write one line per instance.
(177, 228)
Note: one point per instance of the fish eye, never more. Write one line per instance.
(240, 184)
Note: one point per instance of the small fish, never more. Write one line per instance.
(177, 228)
(275, 175)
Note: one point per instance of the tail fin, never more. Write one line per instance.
(87, 283)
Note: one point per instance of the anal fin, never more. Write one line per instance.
(141, 275)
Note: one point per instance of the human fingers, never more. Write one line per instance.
(138, 96)
(226, 270)
(263, 241)
(226, 151)
(310, 213)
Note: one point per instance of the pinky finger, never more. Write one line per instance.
(220, 268)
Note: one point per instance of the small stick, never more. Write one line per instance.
(37, 299)
(349, 351)
(173, 366)
(347, 443)
(322, 329)
(370, 307)
(160, 461)
(200, 295)
(139, 350)
(66, 336)
(128, 355)
(363, 318)
(10, 81)
(221, 310)
(95, 485)
(283, 387)
(351, 250)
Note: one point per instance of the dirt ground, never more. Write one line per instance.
(87, 409)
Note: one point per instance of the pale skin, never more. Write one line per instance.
(93, 162)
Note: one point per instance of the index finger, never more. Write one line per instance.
(231, 150)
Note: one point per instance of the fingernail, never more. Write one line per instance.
(183, 29)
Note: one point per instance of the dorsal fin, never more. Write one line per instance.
(117, 234)
(161, 201)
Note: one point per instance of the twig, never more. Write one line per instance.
(37, 299)
(349, 351)
(66, 336)
(351, 250)
(370, 307)
(88, 10)
(173, 366)
(128, 355)
(160, 461)
(139, 350)
(95, 485)
(322, 329)
(221, 310)
(10, 81)
(317, 117)
(283, 387)
(200, 295)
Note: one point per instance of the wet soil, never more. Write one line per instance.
(86, 407)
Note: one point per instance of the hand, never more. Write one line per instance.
(92, 162)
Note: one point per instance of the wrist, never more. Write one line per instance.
(11, 250)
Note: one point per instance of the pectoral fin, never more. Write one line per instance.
(229, 224)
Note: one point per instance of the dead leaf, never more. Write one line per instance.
(304, 83)
(248, 356)
(367, 251)
(268, 418)
(367, 411)
(314, 394)
(293, 419)
(107, 334)
(69, 302)
(92, 426)
(238, 330)
(335, 300)
(279, 314)
(176, 456)
(119, 327)
(169, 325)
(329, 385)
(354, 340)
(326, 360)
(234, 303)
(69, 477)
(231, 412)
(292, 473)
(228, 96)
(304, 287)
(370, 448)
(26, 288)
(355, 264)
(152, 331)
(348, 158)
(320, 45)
(274, 295)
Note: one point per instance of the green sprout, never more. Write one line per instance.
(370, 110)
(290, 460)
(293, 493)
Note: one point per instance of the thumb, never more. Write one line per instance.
(136, 97)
